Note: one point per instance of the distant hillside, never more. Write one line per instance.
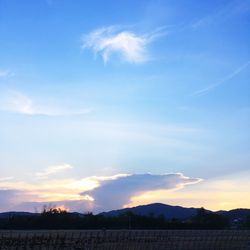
(235, 214)
(156, 209)
(177, 212)
(10, 214)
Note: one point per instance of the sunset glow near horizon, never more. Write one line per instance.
(110, 104)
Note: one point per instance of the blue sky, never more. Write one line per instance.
(108, 89)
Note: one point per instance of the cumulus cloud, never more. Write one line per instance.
(94, 193)
(53, 170)
(112, 40)
(112, 194)
(16, 102)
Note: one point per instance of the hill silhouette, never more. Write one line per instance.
(156, 209)
(151, 216)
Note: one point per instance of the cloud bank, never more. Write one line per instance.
(94, 193)
(113, 41)
(112, 194)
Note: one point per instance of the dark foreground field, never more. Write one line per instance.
(126, 240)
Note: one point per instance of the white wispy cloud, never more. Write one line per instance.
(53, 170)
(17, 102)
(221, 13)
(6, 178)
(126, 44)
(5, 73)
(223, 80)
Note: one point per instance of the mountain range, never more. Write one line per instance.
(158, 209)
(177, 212)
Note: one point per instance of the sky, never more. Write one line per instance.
(110, 104)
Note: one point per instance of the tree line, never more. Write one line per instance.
(54, 218)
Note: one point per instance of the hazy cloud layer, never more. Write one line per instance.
(5, 73)
(6, 196)
(9, 198)
(94, 193)
(17, 102)
(115, 41)
(100, 193)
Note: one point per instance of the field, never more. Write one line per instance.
(126, 240)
